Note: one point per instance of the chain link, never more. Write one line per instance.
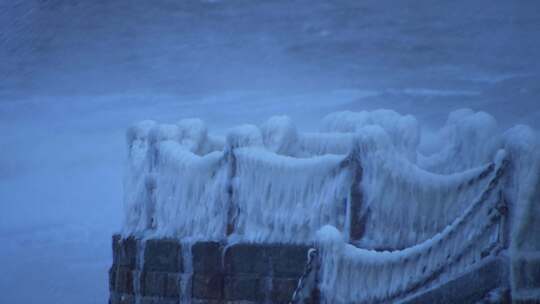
(299, 294)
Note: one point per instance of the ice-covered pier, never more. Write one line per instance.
(365, 211)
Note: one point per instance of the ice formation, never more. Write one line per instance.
(283, 199)
(435, 213)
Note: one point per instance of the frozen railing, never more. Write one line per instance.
(275, 184)
(351, 275)
(243, 192)
(402, 221)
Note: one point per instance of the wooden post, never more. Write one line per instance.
(504, 227)
(232, 209)
(357, 221)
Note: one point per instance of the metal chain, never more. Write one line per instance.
(298, 295)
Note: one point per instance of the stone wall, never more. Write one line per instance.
(164, 271)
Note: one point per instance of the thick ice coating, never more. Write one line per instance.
(361, 181)
(279, 184)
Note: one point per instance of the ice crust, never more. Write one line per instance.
(275, 184)
(283, 184)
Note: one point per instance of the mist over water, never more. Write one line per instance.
(75, 74)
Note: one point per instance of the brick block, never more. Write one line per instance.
(158, 300)
(246, 259)
(162, 255)
(112, 278)
(208, 286)
(116, 248)
(202, 301)
(124, 252)
(124, 281)
(207, 257)
(288, 261)
(127, 299)
(153, 283)
(243, 287)
(527, 272)
(172, 285)
(282, 290)
(117, 298)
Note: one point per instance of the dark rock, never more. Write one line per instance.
(208, 286)
(162, 255)
(246, 259)
(207, 257)
(243, 287)
(124, 280)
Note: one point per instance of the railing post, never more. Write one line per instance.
(356, 220)
(232, 209)
(504, 227)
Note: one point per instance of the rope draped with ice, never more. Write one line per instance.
(338, 132)
(283, 199)
(403, 204)
(280, 198)
(281, 136)
(352, 275)
(403, 130)
(469, 138)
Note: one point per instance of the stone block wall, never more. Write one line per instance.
(164, 271)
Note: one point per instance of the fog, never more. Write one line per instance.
(75, 74)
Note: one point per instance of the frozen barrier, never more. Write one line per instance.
(403, 204)
(274, 184)
(283, 199)
(352, 275)
(243, 192)
(404, 218)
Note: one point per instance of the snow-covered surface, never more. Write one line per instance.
(74, 74)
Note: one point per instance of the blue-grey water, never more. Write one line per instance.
(74, 74)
